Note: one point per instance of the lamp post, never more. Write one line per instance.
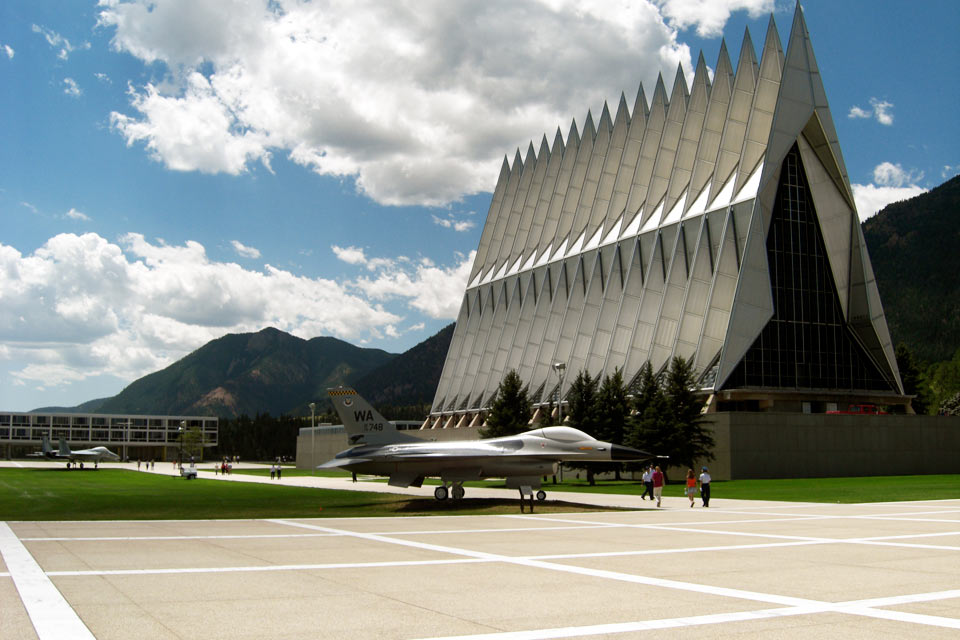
(313, 438)
(180, 430)
(560, 368)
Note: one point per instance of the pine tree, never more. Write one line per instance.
(612, 413)
(690, 439)
(510, 410)
(581, 411)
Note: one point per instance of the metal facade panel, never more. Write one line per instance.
(738, 113)
(648, 151)
(490, 223)
(525, 222)
(491, 250)
(554, 288)
(629, 305)
(605, 277)
(690, 136)
(764, 104)
(712, 132)
(552, 218)
(578, 178)
(531, 169)
(725, 278)
(492, 300)
(834, 216)
(600, 209)
(532, 244)
(753, 301)
(546, 342)
(453, 352)
(491, 340)
(628, 165)
(641, 341)
(697, 294)
(866, 312)
(591, 184)
(569, 320)
(669, 140)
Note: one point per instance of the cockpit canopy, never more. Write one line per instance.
(564, 434)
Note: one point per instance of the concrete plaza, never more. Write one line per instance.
(738, 569)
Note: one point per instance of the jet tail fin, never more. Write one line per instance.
(64, 447)
(363, 423)
(45, 447)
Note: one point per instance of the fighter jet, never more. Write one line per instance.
(94, 455)
(378, 448)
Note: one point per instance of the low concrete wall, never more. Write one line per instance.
(796, 445)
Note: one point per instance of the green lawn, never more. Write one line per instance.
(844, 490)
(117, 494)
(290, 472)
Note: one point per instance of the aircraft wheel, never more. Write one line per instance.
(541, 495)
(440, 493)
(68, 465)
(81, 466)
(458, 493)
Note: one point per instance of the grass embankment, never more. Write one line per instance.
(117, 494)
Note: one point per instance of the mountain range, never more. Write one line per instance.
(912, 245)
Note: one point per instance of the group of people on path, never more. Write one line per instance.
(275, 470)
(653, 481)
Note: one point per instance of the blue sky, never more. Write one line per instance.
(174, 170)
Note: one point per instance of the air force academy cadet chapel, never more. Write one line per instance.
(716, 224)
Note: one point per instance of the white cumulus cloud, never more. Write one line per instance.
(71, 88)
(709, 16)
(891, 183)
(82, 306)
(245, 251)
(7, 49)
(435, 291)
(415, 100)
(73, 214)
(452, 223)
(881, 110)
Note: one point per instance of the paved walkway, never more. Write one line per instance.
(740, 570)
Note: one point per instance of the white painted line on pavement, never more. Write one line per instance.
(52, 617)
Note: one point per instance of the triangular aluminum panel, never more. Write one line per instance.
(712, 131)
(753, 302)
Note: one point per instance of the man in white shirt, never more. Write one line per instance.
(647, 483)
(705, 486)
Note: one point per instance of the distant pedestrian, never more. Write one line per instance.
(705, 486)
(657, 484)
(691, 486)
(273, 471)
(279, 470)
(138, 464)
(216, 469)
(647, 483)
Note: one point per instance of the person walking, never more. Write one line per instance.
(279, 470)
(691, 486)
(273, 471)
(647, 483)
(705, 486)
(657, 484)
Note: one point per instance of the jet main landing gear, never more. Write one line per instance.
(455, 491)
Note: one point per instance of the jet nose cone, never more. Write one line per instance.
(620, 452)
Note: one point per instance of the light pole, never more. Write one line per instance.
(183, 427)
(560, 368)
(313, 438)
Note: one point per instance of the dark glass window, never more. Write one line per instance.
(806, 345)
